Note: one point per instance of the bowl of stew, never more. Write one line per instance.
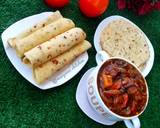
(117, 90)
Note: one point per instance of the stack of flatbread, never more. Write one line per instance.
(122, 39)
(50, 45)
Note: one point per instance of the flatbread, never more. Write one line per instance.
(122, 39)
(43, 34)
(45, 71)
(53, 17)
(54, 47)
(142, 66)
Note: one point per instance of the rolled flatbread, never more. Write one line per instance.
(43, 34)
(46, 70)
(54, 47)
(53, 17)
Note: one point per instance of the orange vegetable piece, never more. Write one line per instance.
(107, 80)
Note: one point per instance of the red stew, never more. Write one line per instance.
(122, 88)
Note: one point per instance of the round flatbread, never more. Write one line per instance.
(122, 39)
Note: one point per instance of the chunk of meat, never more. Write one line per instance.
(113, 73)
(109, 93)
(140, 85)
(138, 96)
(121, 63)
(120, 101)
(125, 100)
(132, 90)
(133, 107)
(120, 70)
(117, 85)
(127, 82)
(107, 100)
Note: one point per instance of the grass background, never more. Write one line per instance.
(22, 105)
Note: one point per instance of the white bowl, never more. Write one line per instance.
(98, 47)
(58, 78)
(83, 103)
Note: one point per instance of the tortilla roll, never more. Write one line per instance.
(46, 70)
(53, 17)
(54, 47)
(41, 35)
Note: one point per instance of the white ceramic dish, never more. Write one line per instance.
(83, 103)
(60, 77)
(105, 22)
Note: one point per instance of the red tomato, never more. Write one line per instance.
(93, 8)
(57, 3)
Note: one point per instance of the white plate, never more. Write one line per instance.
(60, 77)
(105, 22)
(83, 103)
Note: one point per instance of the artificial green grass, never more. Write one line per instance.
(24, 106)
